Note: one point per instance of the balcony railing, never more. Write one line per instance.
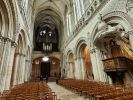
(117, 64)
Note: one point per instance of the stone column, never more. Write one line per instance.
(83, 67)
(10, 66)
(1, 48)
(26, 70)
(71, 70)
(67, 70)
(5, 61)
(78, 69)
(20, 69)
(15, 74)
(99, 65)
(94, 65)
(131, 38)
(98, 68)
(30, 70)
(23, 69)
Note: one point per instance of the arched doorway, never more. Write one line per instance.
(87, 63)
(71, 65)
(84, 61)
(45, 67)
(15, 77)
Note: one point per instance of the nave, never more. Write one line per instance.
(63, 93)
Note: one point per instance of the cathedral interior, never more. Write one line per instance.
(66, 49)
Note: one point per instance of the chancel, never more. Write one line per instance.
(66, 49)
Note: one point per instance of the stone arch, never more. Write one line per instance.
(16, 61)
(28, 64)
(38, 71)
(19, 60)
(70, 64)
(8, 19)
(5, 18)
(83, 59)
(123, 16)
(24, 41)
(80, 40)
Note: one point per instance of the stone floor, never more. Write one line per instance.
(64, 94)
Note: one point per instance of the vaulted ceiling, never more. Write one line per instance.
(50, 14)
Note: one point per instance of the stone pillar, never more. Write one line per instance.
(15, 74)
(131, 39)
(94, 65)
(30, 70)
(67, 70)
(1, 48)
(26, 70)
(23, 69)
(98, 68)
(20, 70)
(10, 66)
(83, 67)
(5, 61)
(78, 69)
(73, 70)
(71, 74)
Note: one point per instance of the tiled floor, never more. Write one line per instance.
(64, 94)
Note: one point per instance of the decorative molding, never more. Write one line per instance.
(129, 5)
(28, 60)
(13, 44)
(129, 33)
(120, 14)
(20, 54)
(6, 39)
(93, 50)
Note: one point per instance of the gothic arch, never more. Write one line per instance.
(70, 64)
(5, 18)
(8, 19)
(83, 59)
(123, 16)
(68, 51)
(23, 40)
(81, 41)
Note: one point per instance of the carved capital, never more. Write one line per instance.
(6, 39)
(1, 38)
(13, 44)
(130, 32)
(20, 54)
(93, 50)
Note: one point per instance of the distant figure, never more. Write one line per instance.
(55, 74)
(60, 75)
(41, 78)
(47, 78)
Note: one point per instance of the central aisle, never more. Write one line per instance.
(64, 94)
